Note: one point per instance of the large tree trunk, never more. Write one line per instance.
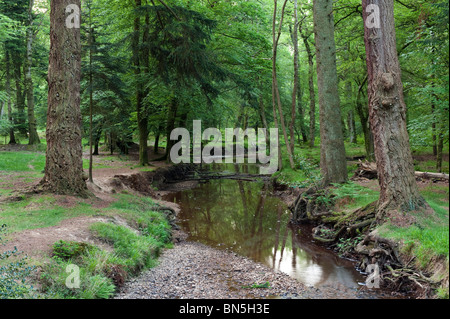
(333, 164)
(32, 126)
(387, 113)
(64, 165)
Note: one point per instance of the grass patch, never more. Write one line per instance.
(429, 236)
(22, 161)
(39, 212)
(136, 242)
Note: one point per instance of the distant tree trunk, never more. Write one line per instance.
(173, 108)
(351, 127)
(433, 129)
(363, 114)
(91, 94)
(64, 165)
(32, 125)
(276, 99)
(353, 137)
(20, 97)
(262, 114)
(312, 93)
(295, 88)
(333, 163)
(12, 138)
(387, 111)
(142, 117)
(156, 145)
(439, 147)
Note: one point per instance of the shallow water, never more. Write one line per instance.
(243, 217)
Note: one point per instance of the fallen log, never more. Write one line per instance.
(369, 170)
(427, 175)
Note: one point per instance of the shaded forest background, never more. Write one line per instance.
(150, 66)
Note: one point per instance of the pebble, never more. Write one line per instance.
(193, 270)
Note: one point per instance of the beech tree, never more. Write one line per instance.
(387, 111)
(64, 165)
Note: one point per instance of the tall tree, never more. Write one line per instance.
(12, 138)
(387, 109)
(32, 125)
(140, 109)
(305, 34)
(276, 99)
(296, 88)
(332, 159)
(64, 165)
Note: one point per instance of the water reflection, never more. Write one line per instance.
(244, 217)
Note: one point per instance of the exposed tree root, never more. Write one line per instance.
(334, 229)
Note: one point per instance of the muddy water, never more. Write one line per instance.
(243, 217)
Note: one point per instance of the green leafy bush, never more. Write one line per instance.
(13, 274)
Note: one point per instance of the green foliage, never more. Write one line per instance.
(265, 285)
(357, 196)
(346, 245)
(69, 249)
(14, 272)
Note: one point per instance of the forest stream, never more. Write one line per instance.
(243, 217)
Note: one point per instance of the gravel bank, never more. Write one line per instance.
(195, 271)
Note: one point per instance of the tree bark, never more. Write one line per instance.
(20, 98)
(32, 125)
(276, 99)
(64, 166)
(91, 93)
(173, 108)
(332, 162)
(141, 114)
(262, 114)
(12, 138)
(295, 89)
(387, 114)
(440, 147)
(312, 93)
